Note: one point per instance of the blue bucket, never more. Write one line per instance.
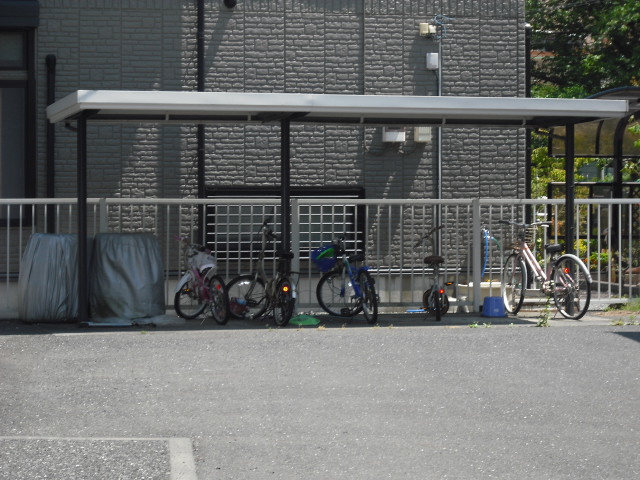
(493, 307)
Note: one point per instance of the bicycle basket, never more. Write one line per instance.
(521, 234)
(324, 257)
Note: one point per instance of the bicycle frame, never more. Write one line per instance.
(260, 272)
(532, 262)
(348, 269)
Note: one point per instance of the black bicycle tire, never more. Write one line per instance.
(260, 299)
(580, 266)
(369, 297)
(324, 285)
(221, 296)
(284, 303)
(523, 282)
(178, 304)
(444, 308)
(437, 297)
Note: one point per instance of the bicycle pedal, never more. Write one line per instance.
(345, 312)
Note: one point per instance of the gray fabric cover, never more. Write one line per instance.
(127, 276)
(48, 280)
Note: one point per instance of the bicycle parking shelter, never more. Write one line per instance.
(114, 106)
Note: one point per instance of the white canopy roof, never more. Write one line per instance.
(201, 107)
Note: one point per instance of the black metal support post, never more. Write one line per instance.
(571, 190)
(285, 176)
(82, 218)
(50, 168)
(200, 88)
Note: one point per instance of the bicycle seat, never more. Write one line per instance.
(357, 257)
(433, 260)
(553, 248)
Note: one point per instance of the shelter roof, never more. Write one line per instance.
(598, 138)
(202, 107)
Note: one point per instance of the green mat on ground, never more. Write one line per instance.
(303, 320)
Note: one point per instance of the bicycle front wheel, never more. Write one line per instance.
(218, 300)
(514, 282)
(571, 287)
(284, 303)
(188, 302)
(369, 297)
(337, 297)
(247, 297)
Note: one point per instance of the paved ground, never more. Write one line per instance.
(406, 399)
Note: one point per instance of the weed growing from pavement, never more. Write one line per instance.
(621, 323)
(478, 325)
(545, 316)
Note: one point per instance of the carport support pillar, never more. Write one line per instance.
(82, 217)
(285, 178)
(571, 190)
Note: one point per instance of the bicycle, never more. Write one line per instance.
(344, 290)
(434, 300)
(254, 295)
(200, 287)
(566, 278)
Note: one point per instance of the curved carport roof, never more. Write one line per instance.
(607, 137)
(85, 106)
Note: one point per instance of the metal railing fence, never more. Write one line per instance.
(607, 238)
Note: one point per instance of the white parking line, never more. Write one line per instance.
(183, 465)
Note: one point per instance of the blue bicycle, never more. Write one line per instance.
(345, 289)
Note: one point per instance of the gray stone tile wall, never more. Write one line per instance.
(317, 46)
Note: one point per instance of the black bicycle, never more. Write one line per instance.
(256, 295)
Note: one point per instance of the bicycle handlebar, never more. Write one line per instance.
(428, 234)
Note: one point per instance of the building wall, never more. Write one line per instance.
(294, 46)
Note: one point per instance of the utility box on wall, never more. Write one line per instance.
(393, 134)
(432, 61)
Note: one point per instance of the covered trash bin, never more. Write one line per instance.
(48, 280)
(126, 276)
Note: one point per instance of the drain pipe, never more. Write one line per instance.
(50, 166)
(200, 88)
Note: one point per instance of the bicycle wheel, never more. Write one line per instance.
(430, 302)
(514, 281)
(337, 297)
(247, 297)
(284, 303)
(572, 287)
(188, 303)
(369, 298)
(218, 300)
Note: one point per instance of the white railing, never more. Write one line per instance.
(607, 236)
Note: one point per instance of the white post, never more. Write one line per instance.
(476, 253)
(103, 227)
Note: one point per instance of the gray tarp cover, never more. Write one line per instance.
(127, 276)
(48, 281)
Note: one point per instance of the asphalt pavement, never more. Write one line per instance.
(469, 397)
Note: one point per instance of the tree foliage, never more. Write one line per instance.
(594, 45)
